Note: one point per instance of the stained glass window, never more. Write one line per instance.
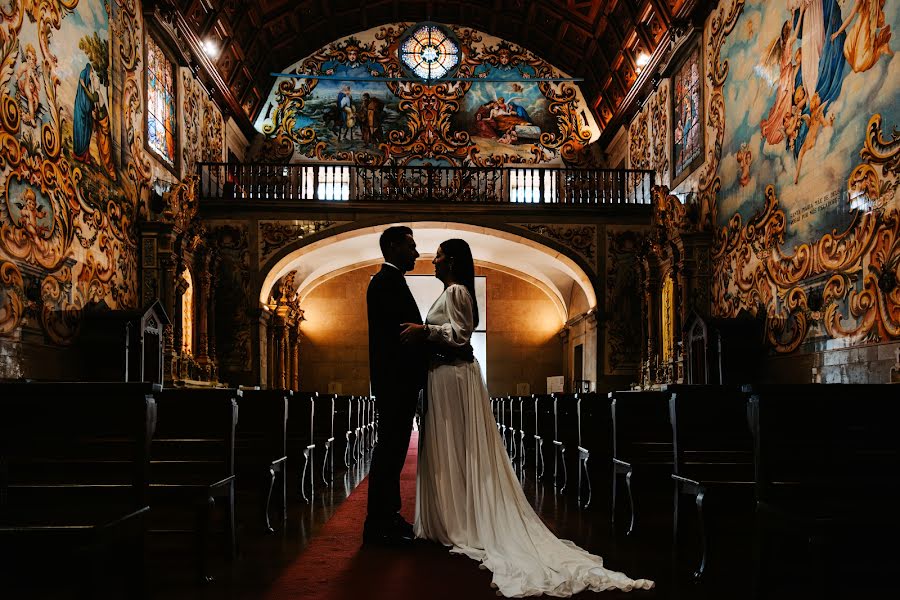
(429, 52)
(161, 114)
(687, 116)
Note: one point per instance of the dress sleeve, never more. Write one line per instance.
(458, 331)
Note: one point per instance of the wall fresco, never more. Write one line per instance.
(66, 209)
(803, 110)
(203, 129)
(505, 119)
(74, 174)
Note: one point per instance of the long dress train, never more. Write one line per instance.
(467, 494)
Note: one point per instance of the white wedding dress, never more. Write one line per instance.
(467, 494)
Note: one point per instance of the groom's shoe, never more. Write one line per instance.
(403, 525)
(386, 538)
(389, 535)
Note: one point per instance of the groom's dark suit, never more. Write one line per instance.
(397, 371)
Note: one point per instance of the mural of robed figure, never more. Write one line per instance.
(91, 115)
(83, 117)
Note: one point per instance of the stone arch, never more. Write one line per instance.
(558, 271)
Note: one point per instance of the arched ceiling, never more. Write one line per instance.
(555, 274)
(598, 40)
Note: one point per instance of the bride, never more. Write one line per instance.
(467, 494)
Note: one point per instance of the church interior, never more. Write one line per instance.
(686, 237)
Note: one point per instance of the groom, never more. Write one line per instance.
(397, 371)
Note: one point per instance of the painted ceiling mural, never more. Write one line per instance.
(351, 116)
(74, 176)
(802, 182)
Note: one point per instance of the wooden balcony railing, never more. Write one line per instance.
(323, 182)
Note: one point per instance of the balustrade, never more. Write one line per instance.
(326, 182)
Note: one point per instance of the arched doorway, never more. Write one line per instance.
(315, 292)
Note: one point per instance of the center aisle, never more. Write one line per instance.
(335, 565)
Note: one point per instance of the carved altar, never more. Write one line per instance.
(675, 275)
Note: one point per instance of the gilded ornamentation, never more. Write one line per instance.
(408, 122)
(659, 122)
(581, 239)
(190, 110)
(213, 133)
(844, 283)
(233, 309)
(12, 297)
(275, 235)
(639, 142)
(623, 325)
(70, 220)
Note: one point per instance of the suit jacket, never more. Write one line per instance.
(394, 368)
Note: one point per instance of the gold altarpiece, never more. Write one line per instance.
(174, 245)
(675, 280)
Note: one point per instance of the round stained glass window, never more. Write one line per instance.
(429, 52)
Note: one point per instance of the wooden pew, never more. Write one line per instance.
(528, 430)
(827, 459)
(565, 436)
(261, 446)
(544, 426)
(343, 428)
(359, 438)
(301, 411)
(371, 424)
(518, 419)
(323, 434)
(192, 461)
(501, 420)
(595, 441)
(512, 427)
(642, 445)
(712, 457)
(74, 464)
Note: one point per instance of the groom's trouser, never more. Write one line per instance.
(394, 414)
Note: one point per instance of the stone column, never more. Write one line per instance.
(284, 363)
(211, 317)
(265, 348)
(295, 357)
(201, 302)
(567, 367)
(591, 345)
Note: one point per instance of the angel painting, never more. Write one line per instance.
(780, 59)
(30, 216)
(28, 85)
(868, 38)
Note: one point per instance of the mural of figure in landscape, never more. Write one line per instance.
(91, 132)
(350, 115)
(83, 125)
(371, 117)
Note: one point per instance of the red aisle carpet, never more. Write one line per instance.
(335, 565)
